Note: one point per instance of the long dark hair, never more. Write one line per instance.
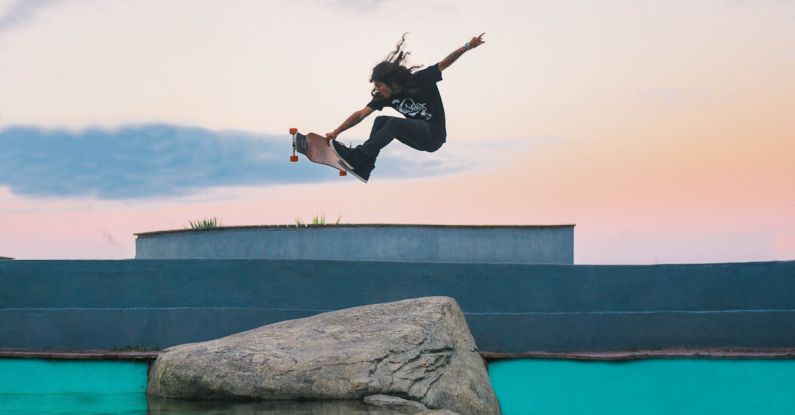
(392, 70)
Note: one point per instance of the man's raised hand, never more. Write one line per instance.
(477, 41)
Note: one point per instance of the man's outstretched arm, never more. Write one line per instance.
(475, 42)
(354, 119)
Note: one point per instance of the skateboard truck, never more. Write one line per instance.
(294, 157)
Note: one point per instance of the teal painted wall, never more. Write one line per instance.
(51, 376)
(85, 387)
(645, 387)
(523, 386)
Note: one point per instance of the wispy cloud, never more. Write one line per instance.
(155, 160)
(456, 156)
(21, 11)
(369, 6)
(359, 5)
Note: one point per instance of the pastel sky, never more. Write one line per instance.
(665, 130)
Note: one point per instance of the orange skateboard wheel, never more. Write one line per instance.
(343, 173)
(293, 159)
(293, 130)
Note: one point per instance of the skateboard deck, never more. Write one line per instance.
(317, 149)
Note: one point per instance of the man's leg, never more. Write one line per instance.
(414, 133)
(420, 138)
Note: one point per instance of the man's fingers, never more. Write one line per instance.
(479, 39)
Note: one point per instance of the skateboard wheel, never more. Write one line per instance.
(343, 173)
(293, 130)
(293, 159)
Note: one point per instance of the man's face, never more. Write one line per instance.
(383, 89)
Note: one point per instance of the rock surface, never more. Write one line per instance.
(404, 406)
(393, 402)
(419, 349)
(165, 406)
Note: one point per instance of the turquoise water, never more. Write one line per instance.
(526, 386)
(659, 386)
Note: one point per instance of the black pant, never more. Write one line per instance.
(416, 134)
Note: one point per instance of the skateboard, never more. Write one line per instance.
(317, 149)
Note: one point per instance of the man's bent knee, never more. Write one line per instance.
(380, 121)
(436, 147)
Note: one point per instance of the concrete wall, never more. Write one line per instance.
(510, 308)
(425, 243)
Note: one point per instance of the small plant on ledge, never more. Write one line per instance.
(317, 220)
(206, 223)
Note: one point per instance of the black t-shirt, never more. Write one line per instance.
(425, 105)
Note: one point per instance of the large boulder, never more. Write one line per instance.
(419, 349)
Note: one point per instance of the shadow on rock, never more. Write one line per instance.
(160, 406)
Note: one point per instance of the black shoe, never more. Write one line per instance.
(362, 164)
(354, 160)
(343, 153)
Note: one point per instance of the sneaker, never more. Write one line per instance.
(343, 153)
(362, 164)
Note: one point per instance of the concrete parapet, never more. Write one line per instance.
(550, 244)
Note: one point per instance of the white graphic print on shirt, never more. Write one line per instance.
(411, 108)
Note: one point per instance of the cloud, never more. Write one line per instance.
(358, 5)
(159, 160)
(22, 11)
(456, 156)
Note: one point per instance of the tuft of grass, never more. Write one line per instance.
(206, 223)
(317, 220)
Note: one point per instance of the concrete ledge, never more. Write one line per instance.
(620, 355)
(354, 225)
(78, 354)
(714, 353)
(523, 244)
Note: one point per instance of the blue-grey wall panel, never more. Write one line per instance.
(425, 243)
(510, 308)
